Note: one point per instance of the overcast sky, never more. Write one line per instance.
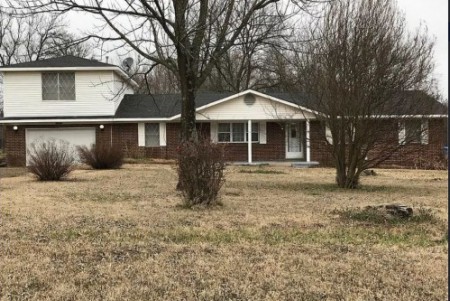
(433, 13)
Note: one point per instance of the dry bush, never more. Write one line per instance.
(436, 164)
(200, 171)
(101, 156)
(50, 160)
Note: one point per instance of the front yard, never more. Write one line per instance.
(281, 234)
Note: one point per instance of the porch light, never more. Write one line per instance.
(15, 128)
(101, 126)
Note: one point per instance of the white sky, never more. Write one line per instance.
(432, 13)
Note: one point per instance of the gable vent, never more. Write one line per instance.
(249, 99)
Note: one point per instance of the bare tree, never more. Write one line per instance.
(357, 67)
(242, 66)
(185, 36)
(36, 37)
(156, 79)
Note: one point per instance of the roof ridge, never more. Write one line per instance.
(68, 60)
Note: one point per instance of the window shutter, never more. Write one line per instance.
(213, 132)
(141, 134)
(424, 132)
(262, 132)
(162, 134)
(401, 132)
(328, 135)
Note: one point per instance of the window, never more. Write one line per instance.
(152, 134)
(413, 131)
(58, 86)
(237, 132)
(255, 132)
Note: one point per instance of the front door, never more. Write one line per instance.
(294, 138)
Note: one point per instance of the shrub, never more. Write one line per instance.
(200, 171)
(50, 160)
(101, 156)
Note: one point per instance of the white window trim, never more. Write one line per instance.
(162, 134)
(217, 132)
(328, 135)
(423, 135)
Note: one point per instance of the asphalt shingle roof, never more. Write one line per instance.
(168, 105)
(161, 105)
(63, 61)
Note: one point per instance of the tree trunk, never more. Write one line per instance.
(188, 129)
(188, 90)
(187, 81)
(347, 178)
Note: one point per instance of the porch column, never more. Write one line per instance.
(308, 144)
(249, 141)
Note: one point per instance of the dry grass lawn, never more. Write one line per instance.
(121, 235)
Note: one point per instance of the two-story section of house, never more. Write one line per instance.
(87, 102)
(67, 98)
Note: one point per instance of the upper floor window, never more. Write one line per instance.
(58, 86)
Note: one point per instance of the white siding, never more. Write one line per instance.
(120, 89)
(94, 95)
(262, 109)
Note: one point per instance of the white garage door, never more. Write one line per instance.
(75, 136)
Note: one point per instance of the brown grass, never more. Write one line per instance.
(121, 235)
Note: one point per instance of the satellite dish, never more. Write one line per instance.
(127, 63)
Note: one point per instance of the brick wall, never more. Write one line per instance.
(320, 149)
(125, 136)
(15, 146)
(410, 155)
(416, 154)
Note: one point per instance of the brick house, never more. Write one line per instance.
(89, 102)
